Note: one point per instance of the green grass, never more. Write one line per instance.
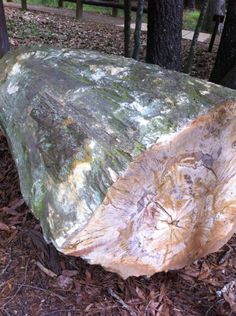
(48, 3)
(189, 19)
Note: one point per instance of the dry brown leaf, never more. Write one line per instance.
(163, 310)
(229, 294)
(140, 293)
(64, 282)
(69, 273)
(4, 227)
(187, 277)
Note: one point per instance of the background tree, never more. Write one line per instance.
(127, 31)
(189, 5)
(4, 42)
(214, 7)
(165, 33)
(226, 56)
(138, 29)
(189, 64)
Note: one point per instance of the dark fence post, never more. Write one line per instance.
(79, 9)
(115, 10)
(24, 5)
(60, 3)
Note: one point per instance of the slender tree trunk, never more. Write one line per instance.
(4, 42)
(138, 29)
(226, 56)
(188, 67)
(165, 33)
(127, 11)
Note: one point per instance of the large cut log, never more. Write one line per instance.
(125, 164)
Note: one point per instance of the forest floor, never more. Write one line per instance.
(36, 280)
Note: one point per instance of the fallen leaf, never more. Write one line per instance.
(4, 227)
(64, 282)
(229, 294)
(69, 273)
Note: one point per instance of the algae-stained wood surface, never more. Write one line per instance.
(75, 121)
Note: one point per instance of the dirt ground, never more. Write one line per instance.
(36, 280)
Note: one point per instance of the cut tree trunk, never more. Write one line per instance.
(109, 160)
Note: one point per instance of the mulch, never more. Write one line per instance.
(37, 280)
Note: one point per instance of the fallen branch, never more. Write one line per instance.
(121, 302)
(45, 270)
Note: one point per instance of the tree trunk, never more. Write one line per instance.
(230, 79)
(226, 56)
(4, 42)
(164, 34)
(198, 4)
(214, 7)
(189, 5)
(138, 29)
(188, 67)
(24, 5)
(81, 126)
(127, 21)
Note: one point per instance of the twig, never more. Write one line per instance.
(8, 264)
(226, 255)
(19, 288)
(62, 311)
(45, 270)
(2, 284)
(209, 309)
(146, 309)
(10, 299)
(4, 313)
(44, 290)
(121, 302)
